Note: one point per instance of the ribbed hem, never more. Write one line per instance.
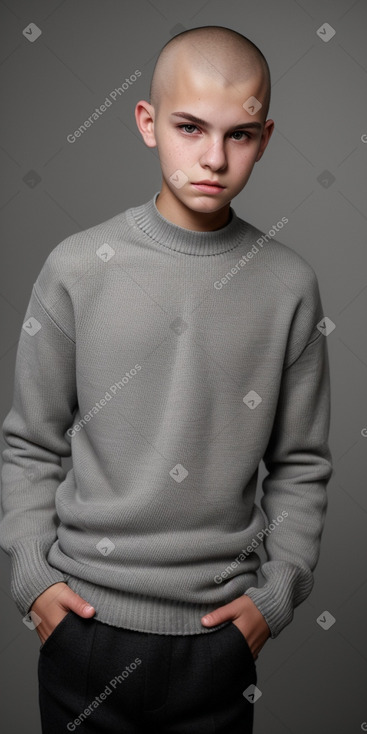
(30, 573)
(164, 233)
(287, 586)
(145, 614)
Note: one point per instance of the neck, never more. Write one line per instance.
(166, 235)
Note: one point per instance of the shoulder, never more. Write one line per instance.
(81, 254)
(73, 264)
(284, 264)
(76, 249)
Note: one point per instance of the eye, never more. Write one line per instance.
(194, 127)
(188, 125)
(241, 132)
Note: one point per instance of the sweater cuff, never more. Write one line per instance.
(30, 572)
(287, 585)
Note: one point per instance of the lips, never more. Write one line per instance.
(209, 183)
(208, 188)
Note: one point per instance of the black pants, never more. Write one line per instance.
(101, 679)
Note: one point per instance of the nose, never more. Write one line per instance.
(214, 155)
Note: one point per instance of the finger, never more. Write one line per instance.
(78, 605)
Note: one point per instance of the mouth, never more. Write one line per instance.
(209, 187)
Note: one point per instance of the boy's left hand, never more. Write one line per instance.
(247, 617)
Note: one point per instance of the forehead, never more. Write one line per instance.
(208, 96)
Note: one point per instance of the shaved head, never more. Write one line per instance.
(217, 52)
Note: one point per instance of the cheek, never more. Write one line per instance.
(246, 159)
(172, 150)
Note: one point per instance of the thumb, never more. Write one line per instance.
(79, 605)
(219, 615)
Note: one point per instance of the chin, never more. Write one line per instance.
(210, 205)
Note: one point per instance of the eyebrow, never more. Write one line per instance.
(187, 116)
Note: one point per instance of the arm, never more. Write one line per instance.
(298, 460)
(299, 463)
(43, 405)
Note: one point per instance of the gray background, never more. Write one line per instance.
(311, 679)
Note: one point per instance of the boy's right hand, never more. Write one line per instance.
(53, 605)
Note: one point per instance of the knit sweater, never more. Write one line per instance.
(168, 363)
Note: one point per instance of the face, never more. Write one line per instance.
(222, 148)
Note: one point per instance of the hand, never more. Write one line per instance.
(53, 605)
(247, 617)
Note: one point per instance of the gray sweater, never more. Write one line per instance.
(168, 362)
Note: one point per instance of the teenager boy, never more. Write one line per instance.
(168, 353)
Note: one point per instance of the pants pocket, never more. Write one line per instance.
(243, 644)
(56, 631)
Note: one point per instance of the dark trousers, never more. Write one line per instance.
(98, 679)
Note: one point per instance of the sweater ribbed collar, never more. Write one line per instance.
(165, 233)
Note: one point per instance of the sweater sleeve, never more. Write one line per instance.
(44, 401)
(299, 465)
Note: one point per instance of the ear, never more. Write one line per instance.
(144, 116)
(266, 135)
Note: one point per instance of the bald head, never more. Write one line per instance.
(217, 52)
